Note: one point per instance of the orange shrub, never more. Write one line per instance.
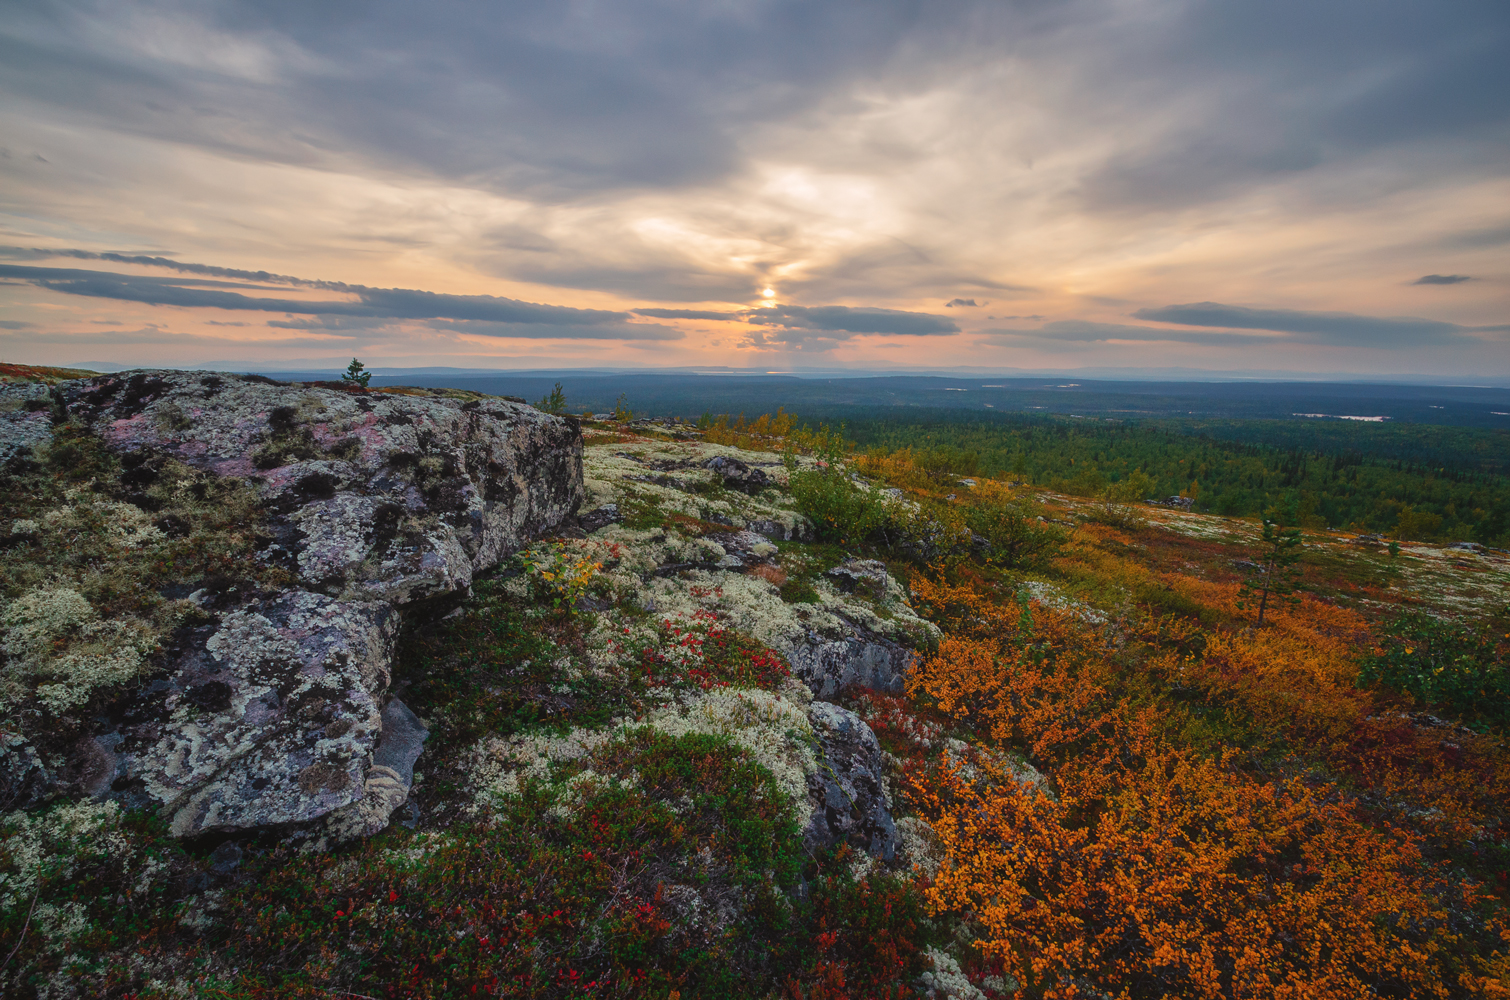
(1187, 880)
(1162, 872)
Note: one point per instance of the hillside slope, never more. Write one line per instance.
(756, 720)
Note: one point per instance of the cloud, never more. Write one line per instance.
(373, 303)
(152, 334)
(15, 324)
(1330, 328)
(1255, 97)
(1441, 279)
(1082, 332)
(634, 332)
(686, 314)
(961, 302)
(852, 320)
(1475, 239)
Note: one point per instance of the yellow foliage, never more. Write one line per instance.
(1161, 871)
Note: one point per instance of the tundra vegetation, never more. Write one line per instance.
(1110, 779)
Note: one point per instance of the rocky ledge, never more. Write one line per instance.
(259, 698)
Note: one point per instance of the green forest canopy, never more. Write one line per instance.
(1412, 481)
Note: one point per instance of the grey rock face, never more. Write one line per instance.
(384, 496)
(849, 798)
(268, 717)
(801, 531)
(24, 780)
(827, 666)
(389, 779)
(860, 656)
(25, 418)
(273, 714)
(744, 549)
(865, 576)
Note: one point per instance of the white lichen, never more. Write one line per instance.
(772, 728)
(55, 639)
(54, 839)
(919, 845)
(121, 524)
(947, 979)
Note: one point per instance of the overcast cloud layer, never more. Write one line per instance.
(1144, 182)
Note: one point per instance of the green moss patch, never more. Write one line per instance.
(98, 552)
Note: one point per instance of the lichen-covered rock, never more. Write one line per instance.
(24, 780)
(25, 418)
(272, 714)
(737, 475)
(382, 496)
(860, 630)
(862, 659)
(848, 791)
(267, 717)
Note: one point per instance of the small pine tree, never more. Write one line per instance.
(553, 401)
(357, 374)
(1282, 547)
(621, 411)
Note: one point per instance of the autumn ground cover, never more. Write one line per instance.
(1230, 811)
(1110, 780)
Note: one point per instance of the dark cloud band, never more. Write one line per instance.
(375, 303)
(838, 322)
(852, 320)
(1331, 328)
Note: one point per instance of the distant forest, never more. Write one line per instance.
(1436, 467)
(1412, 481)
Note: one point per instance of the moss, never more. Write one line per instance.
(672, 870)
(92, 880)
(128, 537)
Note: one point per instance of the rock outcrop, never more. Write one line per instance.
(848, 793)
(737, 475)
(376, 496)
(861, 657)
(269, 717)
(25, 418)
(270, 710)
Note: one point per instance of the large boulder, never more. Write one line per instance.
(379, 496)
(268, 717)
(269, 709)
(848, 792)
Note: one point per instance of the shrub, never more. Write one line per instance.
(544, 901)
(559, 572)
(1016, 535)
(1445, 664)
(841, 509)
(1114, 503)
(705, 652)
(553, 401)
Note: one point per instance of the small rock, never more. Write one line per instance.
(736, 475)
(225, 858)
(600, 517)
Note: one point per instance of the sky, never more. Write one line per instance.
(1291, 186)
